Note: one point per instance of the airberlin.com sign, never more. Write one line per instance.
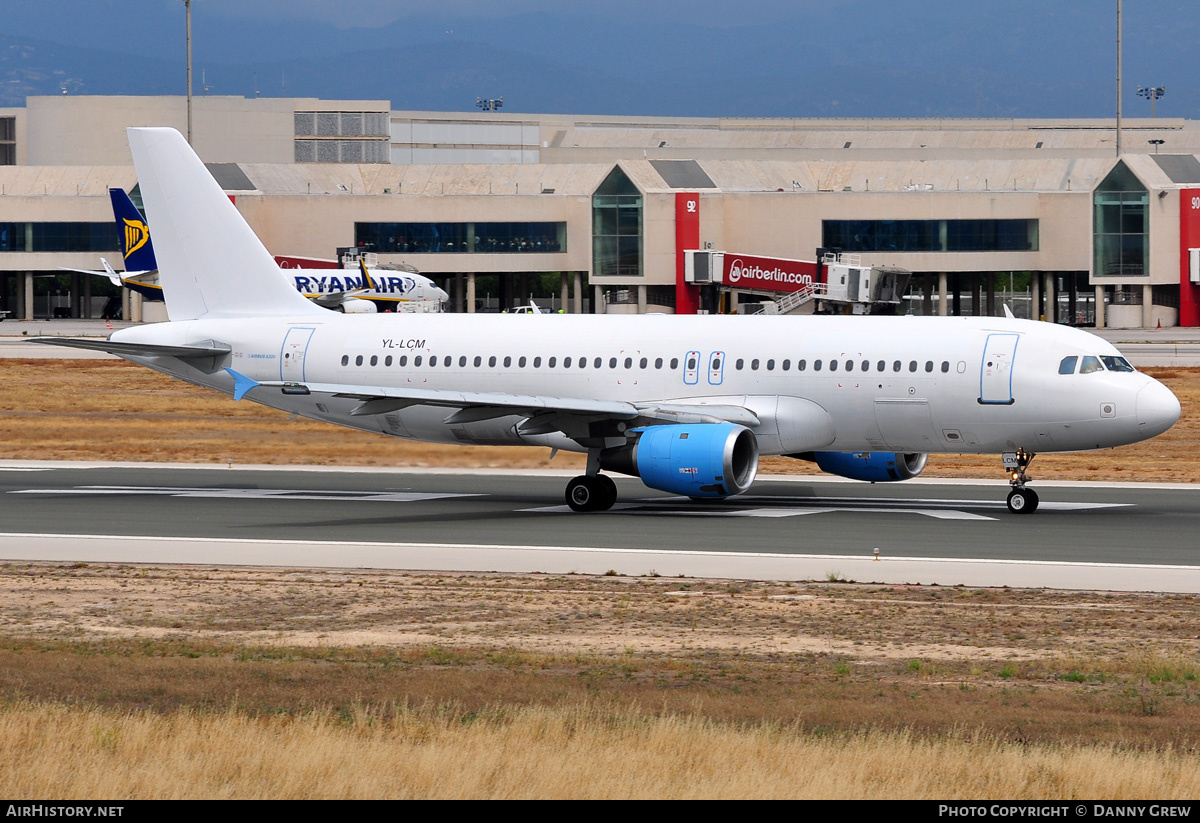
(743, 271)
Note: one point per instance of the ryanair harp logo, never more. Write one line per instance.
(136, 235)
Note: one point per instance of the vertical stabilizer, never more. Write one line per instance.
(210, 263)
(133, 234)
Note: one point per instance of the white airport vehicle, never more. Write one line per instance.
(686, 403)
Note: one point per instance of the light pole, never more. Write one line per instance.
(187, 6)
(1118, 78)
(1152, 94)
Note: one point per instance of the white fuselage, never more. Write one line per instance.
(902, 384)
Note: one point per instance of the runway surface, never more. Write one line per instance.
(1090, 536)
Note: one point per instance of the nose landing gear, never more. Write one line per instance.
(1021, 500)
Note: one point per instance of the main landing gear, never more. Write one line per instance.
(1021, 500)
(591, 493)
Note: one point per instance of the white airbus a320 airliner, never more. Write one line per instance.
(686, 403)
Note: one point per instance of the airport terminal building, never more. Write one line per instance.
(597, 213)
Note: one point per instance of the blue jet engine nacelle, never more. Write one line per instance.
(697, 460)
(874, 467)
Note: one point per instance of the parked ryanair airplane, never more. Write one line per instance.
(686, 403)
(356, 291)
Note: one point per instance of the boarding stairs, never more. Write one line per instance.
(792, 301)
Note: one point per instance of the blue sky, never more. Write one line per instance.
(863, 58)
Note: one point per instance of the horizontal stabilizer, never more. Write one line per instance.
(206, 348)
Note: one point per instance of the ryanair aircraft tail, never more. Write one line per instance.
(210, 263)
(133, 234)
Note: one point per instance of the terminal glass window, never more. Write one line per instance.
(8, 141)
(58, 237)
(930, 235)
(617, 227)
(461, 238)
(1121, 223)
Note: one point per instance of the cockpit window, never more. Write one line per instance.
(1067, 366)
(1090, 364)
(1113, 363)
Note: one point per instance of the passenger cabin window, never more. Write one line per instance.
(1090, 364)
(1067, 366)
(345, 360)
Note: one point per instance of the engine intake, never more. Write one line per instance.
(698, 460)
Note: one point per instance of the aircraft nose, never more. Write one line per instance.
(1157, 409)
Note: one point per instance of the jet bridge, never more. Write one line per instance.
(838, 284)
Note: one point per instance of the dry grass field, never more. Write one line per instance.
(138, 682)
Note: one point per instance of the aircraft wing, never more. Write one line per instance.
(571, 415)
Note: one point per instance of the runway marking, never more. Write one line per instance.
(753, 506)
(251, 494)
(940, 514)
(937, 509)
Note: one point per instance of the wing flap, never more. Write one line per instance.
(382, 399)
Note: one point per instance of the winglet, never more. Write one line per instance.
(367, 282)
(113, 277)
(241, 384)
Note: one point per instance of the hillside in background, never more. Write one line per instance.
(869, 59)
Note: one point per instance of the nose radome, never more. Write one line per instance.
(1157, 409)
